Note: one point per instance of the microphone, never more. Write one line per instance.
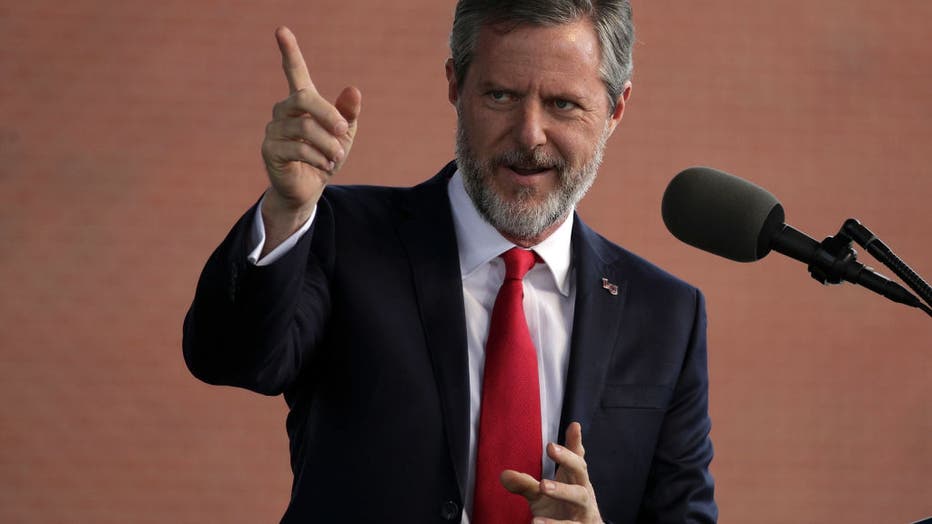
(733, 218)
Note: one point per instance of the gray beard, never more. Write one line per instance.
(522, 218)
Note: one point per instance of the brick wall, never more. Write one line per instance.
(129, 135)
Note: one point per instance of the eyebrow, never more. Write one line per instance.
(486, 85)
(572, 96)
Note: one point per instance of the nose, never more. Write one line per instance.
(530, 126)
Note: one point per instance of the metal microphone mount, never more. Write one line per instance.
(839, 263)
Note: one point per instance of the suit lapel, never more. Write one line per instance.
(427, 233)
(599, 305)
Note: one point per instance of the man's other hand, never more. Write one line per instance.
(569, 498)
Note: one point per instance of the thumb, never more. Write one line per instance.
(349, 104)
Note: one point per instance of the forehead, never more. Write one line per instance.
(531, 53)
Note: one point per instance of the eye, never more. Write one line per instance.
(564, 105)
(499, 97)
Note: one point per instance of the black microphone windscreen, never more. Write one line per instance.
(721, 213)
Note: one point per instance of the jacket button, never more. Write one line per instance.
(450, 510)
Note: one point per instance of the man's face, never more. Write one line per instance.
(533, 121)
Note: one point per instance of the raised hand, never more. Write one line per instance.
(306, 142)
(569, 498)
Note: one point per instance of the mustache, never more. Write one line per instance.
(533, 159)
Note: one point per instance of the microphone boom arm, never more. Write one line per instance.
(863, 236)
(833, 261)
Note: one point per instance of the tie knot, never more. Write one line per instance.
(518, 262)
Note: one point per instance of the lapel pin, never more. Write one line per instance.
(611, 288)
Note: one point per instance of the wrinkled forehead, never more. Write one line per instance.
(573, 45)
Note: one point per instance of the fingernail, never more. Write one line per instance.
(341, 128)
(340, 154)
(331, 166)
(548, 485)
(538, 521)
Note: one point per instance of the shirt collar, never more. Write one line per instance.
(479, 242)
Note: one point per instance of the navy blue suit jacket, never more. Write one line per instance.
(361, 327)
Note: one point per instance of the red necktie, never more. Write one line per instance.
(509, 417)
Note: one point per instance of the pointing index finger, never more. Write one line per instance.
(293, 61)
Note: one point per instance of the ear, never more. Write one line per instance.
(615, 118)
(453, 93)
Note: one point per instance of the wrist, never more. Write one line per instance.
(281, 218)
(284, 211)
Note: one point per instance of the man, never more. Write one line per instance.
(446, 350)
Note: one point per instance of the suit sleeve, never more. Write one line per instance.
(680, 486)
(257, 327)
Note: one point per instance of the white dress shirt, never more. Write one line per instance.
(549, 303)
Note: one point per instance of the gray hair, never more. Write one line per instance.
(611, 19)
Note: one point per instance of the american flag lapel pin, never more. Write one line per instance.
(608, 286)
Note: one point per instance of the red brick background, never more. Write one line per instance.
(129, 143)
